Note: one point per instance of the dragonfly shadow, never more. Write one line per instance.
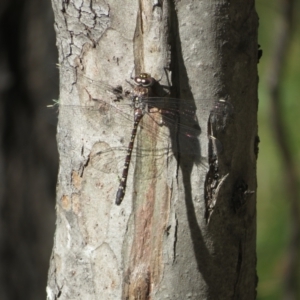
(185, 142)
(179, 115)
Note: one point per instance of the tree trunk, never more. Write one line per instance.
(186, 231)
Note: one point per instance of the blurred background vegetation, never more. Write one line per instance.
(275, 220)
(28, 155)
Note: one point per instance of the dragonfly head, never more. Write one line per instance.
(144, 79)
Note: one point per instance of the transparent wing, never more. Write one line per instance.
(179, 116)
(111, 160)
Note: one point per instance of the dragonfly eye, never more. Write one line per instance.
(144, 79)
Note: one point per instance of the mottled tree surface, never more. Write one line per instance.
(187, 231)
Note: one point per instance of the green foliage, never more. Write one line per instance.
(272, 202)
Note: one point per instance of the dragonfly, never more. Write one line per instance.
(178, 115)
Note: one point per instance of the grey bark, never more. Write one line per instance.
(188, 233)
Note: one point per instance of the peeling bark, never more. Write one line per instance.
(158, 244)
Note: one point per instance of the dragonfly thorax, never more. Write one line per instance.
(138, 103)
